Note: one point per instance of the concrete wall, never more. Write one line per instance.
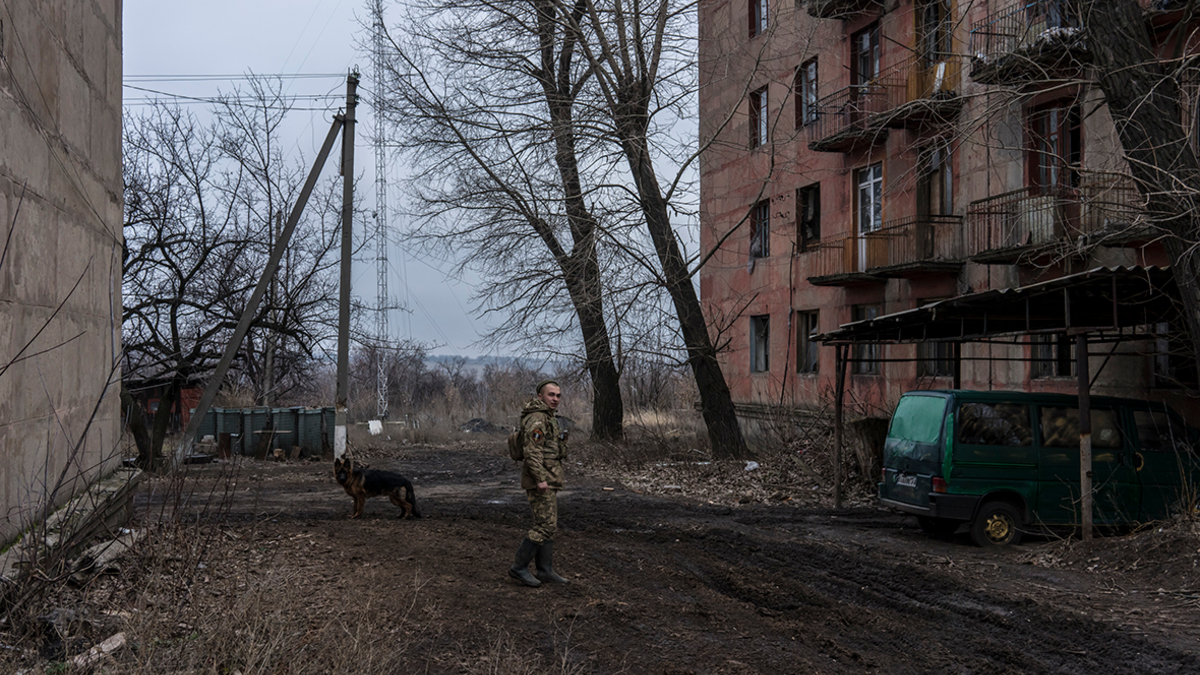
(989, 158)
(60, 280)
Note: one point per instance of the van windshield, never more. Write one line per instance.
(918, 419)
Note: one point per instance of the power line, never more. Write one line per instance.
(181, 77)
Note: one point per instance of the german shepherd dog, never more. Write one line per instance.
(361, 483)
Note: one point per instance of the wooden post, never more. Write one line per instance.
(840, 357)
(1085, 433)
(958, 365)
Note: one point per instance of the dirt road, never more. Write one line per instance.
(670, 586)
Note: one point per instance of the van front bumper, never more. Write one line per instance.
(950, 507)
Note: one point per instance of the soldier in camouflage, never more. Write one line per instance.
(545, 446)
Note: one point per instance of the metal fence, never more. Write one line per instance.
(309, 428)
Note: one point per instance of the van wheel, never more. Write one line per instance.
(938, 527)
(996, 525)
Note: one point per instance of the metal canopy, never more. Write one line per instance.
(1104, 299)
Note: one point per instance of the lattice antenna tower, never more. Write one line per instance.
(381, 218)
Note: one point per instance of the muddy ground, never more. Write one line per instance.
(675, 584)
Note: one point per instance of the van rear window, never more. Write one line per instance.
(918, 419)
(1005, 424)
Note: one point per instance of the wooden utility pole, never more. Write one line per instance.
(239, 333)
(343, 348)
(1085, 433)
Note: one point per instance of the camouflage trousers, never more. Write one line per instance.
(545, 515)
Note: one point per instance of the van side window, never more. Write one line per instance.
(994, 424)
(1060, 428)
(1157, 431)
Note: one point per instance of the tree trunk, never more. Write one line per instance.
(1144, 101)
(716, 403)
(581, 272)
(137, 426)
(162, 418)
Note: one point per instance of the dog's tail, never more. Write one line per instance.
(412, 501)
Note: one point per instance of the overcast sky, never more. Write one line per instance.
(164, 41)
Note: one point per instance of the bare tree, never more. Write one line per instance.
(197, 234)
(1138, 73)
(485, 103)
(641, 56)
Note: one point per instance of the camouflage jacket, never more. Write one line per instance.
(545, 446)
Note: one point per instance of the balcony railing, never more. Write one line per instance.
(849, 118)
(1026, 222)
(920, 244)
(1027, 40)
(914, 92)
(905, 247)
(924, 89)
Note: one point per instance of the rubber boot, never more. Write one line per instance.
(520, 570)
(545, 565)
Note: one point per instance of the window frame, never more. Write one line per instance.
(760, 230)
(870, 179)
(760, 343)
(871, 57)
(806, 93)
(759, 117)
(808, 357)
(866, 355)
(935, 179)
(1054, 145)
(934, 358)
(760, 16)
(1051, 355)
(808, 220)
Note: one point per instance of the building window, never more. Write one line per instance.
(807, 356)
(933, 31)
(1174, 365)
(808, 215)
(1055, 147)
(806, 93)
(934, 359)
(758, 17)
(864, 57)
(1053, 355)
(935, 183)
(760, 230)
(865, 358)
(760, 333)
(870, 198)
(758, 117)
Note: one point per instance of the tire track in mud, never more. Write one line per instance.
(879, 611)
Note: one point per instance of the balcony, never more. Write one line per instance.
(1035, 222)
(1028, 42)
(849, 119)
(904, 248)
(843, 9)
(923, 91)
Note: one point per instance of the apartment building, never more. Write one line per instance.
(863, 158)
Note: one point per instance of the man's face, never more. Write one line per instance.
(550, 395)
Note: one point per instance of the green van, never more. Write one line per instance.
(1002, 461)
